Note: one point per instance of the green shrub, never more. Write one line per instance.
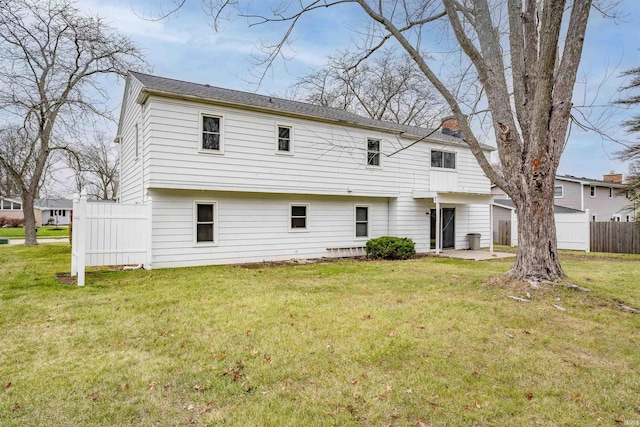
(389, 247)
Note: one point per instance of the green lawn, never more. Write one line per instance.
(342, 343)
(44, 231)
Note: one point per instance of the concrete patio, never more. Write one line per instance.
(479, 255)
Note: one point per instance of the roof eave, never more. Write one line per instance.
(147, 92)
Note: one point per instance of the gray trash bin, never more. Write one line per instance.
(474, 241)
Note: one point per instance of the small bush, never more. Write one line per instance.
(389, 247)
(3, 221)
(15, 222)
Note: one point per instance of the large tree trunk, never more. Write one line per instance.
(537, 257)
(29, 219)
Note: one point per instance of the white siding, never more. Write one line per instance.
(131, 185)
(472, 219)
(255, 227)
(328, 158)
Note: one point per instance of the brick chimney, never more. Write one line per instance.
(450, 126)
(613, 177)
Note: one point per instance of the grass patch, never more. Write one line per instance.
(342, 343)
(44, 231)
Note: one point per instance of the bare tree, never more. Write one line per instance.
(96, 168)
(8, 187)
(388, 87)
(51, 60)
(632, 151)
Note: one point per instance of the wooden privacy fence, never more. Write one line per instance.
(504, 232)
(109, 234)
(615, 237)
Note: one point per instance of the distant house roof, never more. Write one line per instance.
(508, 203)
(589, 181)
(155, 85)
(54, 203)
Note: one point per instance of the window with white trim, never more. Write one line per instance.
(558, 192)
(285, 139)
(362, 221)
(211, 133)
(7, 205)
(299, 217)
(592, 191)
(443, 159)
(373, 152)
(205, 213)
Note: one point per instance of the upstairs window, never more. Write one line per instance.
(373, 152)
(285, 145)
(592, 191)
(443, 159)
(211, 133)
(299, 217)
(362, 221)
(558, 191)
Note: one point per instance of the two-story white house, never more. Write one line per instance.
(237, 177)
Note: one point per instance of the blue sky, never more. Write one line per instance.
(185, 47)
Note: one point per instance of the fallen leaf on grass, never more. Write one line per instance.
(15, 407)
(207, 408)
(367, 317)
(421, 423)
(381, 397)
(391, 334)
(95, 397)
(530, 396)
(7, 385)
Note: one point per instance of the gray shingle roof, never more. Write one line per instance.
(591, 181)
(163, 85)
(556, 208)
(54, 203)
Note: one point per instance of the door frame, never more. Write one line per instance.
(433, 224)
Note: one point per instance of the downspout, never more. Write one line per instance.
(582, 196)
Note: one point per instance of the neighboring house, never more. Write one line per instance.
(606, 200)
(238, 177)
(11, 208)
(55, 211)
(44, 209)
